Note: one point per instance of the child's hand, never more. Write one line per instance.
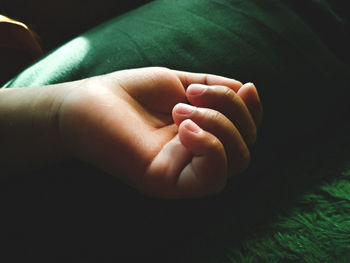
(170, 133)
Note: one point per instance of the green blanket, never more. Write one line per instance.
(293, 203)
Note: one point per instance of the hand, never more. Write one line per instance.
(168, 133)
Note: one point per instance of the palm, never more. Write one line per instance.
(122, 122)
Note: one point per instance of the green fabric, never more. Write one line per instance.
(292, 205)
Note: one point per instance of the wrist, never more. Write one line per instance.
(29, 136)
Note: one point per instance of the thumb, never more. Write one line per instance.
(192, 164)
(206, 174)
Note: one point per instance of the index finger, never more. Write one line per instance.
(188, 78)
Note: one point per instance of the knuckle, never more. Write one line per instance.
(227, 92)
(219, 121)
(160, 69)
(222, 92)
(156, 72)
(214, 144)
(216, 148)
(206, 78)
(225, 97)
(215, 116)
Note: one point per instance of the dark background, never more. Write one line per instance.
(58, 21)
(54, 23)
(78, 214)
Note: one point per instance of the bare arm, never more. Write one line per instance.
(28, 128)
(167, 133)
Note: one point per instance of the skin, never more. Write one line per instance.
(168, 133)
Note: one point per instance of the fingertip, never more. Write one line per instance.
(250, 96)
(207, 173)
(189, 133)
(247, 87)
(199, 141)
(182, 111)
(252, 91)
(196, 89)
(191, 126)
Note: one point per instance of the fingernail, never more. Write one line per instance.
(184, 109)
(191, 126)
(197, 89)
(251, 84)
